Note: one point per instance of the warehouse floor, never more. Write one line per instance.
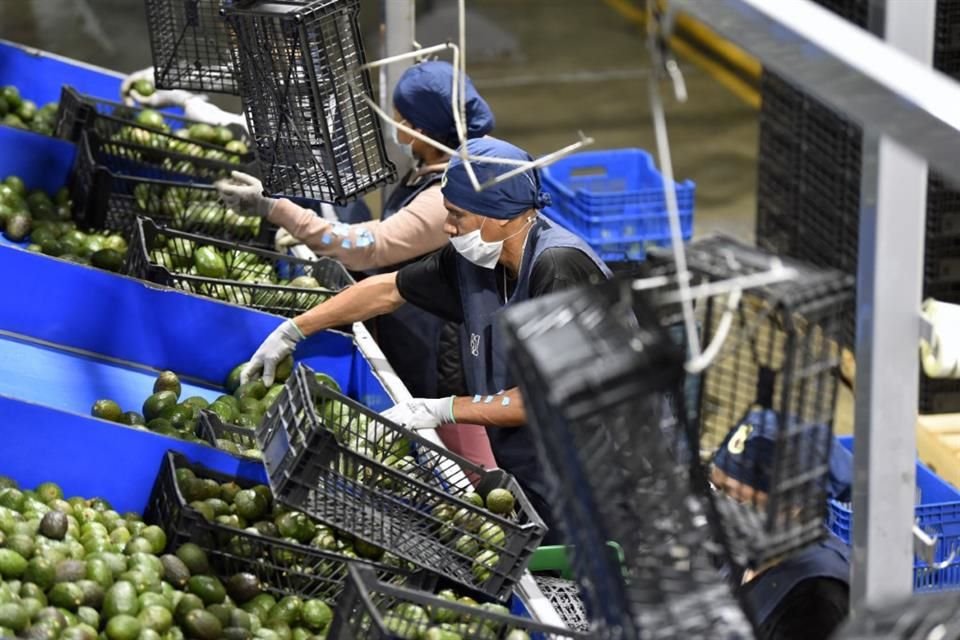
(549, 70)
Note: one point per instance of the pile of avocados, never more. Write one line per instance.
(15, 111)
(45, 221)
(76, 569)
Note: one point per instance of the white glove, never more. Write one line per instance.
(421, 413)
(244, 194)
(197, 108)
(279, 344)
(284, 240)
(159, 98)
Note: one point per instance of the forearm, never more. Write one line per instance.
(503, 410)
(369, 298)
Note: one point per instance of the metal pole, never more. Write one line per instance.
(399, 33)
(890, 275)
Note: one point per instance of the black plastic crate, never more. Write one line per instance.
(107, 199)
(603, 384)
(328, 455)
(191, 45)
(781, 358)
(247, 286)
(939, 396)
(302, 84)
(214, 431)
(374, 610)
(115, 121)
(282, 567)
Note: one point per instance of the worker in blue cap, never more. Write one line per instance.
(422, 348)
(807, 594)
(501, 252)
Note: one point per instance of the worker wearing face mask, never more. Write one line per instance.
(806, 595)
(501, 251)
(422, 348)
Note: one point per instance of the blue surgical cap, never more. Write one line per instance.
(423, 96)
(504, 200)
(748, 451)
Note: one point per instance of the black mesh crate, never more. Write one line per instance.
(302, 87)
(918, 617)
(348, 467)
(776, 370)
(191, 45)
(564, 597)
(164, 255)
(115, 121)
(241, 441)
(374, 610)
(104, 198)
(282, 567)
(602, 382)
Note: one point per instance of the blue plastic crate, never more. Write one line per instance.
(938, 511)
(615, 200)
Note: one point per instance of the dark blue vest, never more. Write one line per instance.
(409, 336)
(484, 362)
(829, 558)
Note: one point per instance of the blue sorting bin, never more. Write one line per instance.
(938, 512)
(615, 200)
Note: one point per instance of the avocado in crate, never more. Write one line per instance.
(113, 199)
(230, 271)
(229, 422)
(373, 610)
(349, 467)
(240, 528)
(151, 130)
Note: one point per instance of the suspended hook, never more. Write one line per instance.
(925, 546)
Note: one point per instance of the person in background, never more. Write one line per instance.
(807, 595)
(501, 252)
(422, 348)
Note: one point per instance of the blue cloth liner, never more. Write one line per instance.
(504, 200)
(747, 453)
(423, 96)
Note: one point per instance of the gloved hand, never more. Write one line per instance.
(244, 194)
(421, 413)
(284, 240)
(197, 108)
(278, 345)
(159, 98)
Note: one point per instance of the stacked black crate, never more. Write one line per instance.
(808, 196)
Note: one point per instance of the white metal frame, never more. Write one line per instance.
(909, 115)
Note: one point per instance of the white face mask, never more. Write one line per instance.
(480, 252)
(407, 149)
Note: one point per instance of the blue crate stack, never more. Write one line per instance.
(615, 200)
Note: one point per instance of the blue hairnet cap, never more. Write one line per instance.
(423, 96)
(504, 200)
(747, 454)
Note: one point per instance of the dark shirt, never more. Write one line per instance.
(431, 282)
(812, 610)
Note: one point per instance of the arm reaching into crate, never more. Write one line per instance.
(371, 297)
(195, 106)
(504, 409)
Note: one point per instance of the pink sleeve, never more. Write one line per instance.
(411, 232)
